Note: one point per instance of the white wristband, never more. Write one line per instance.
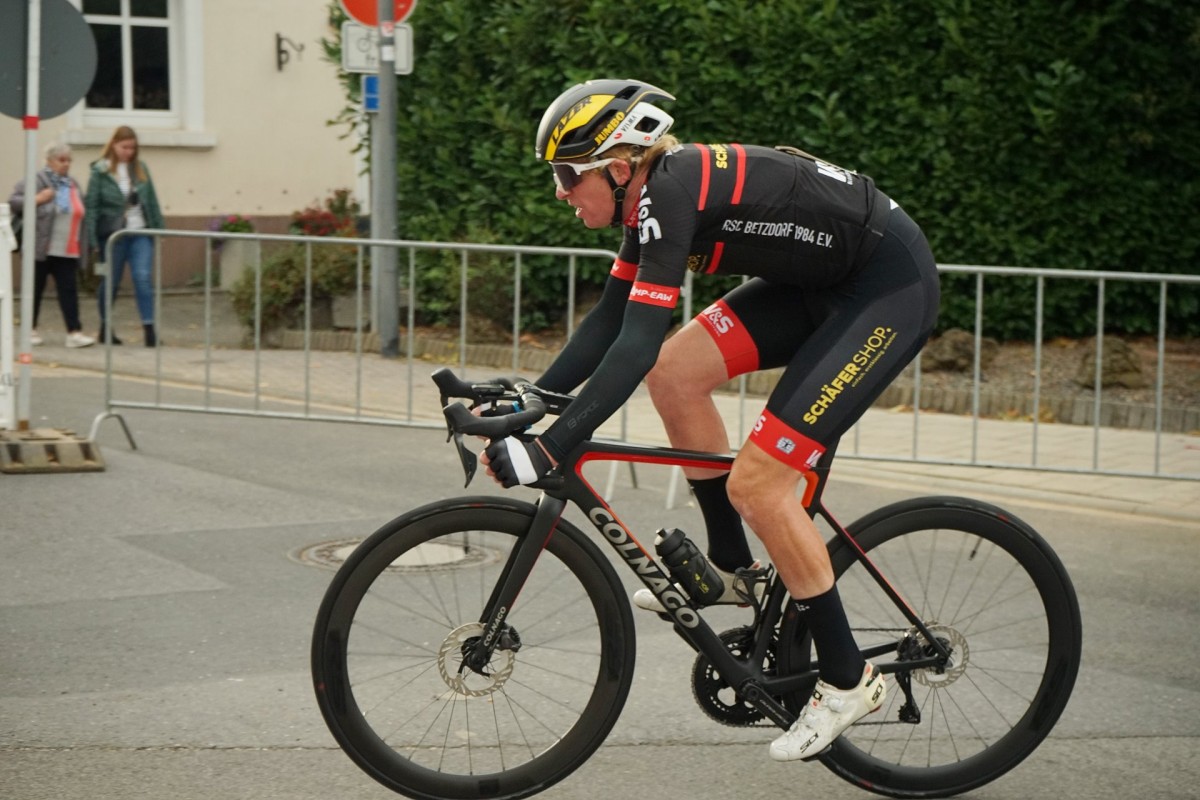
(518, 456)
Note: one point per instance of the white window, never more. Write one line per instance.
(133, 49)
(149, 72)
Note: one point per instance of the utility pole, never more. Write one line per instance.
(383, 179)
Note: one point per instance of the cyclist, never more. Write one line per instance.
(843, 292)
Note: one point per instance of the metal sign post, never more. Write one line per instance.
(47, 63)
(385, 289)
(59, 63)
(383, 172)
(33, 59)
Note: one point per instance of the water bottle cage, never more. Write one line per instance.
(747, 579)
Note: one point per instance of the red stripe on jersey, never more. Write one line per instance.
(741, 173)
(625, 270)
(718, 250)
(782, 442)
(654, 294)
(704, 175)
(733, 340)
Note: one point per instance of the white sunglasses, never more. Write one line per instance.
(568, 174)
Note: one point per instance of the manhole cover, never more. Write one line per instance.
(427, 557)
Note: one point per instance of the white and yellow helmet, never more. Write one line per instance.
(590, 118)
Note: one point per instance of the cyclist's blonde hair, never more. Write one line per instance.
(641, 158)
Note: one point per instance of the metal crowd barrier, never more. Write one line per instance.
(351, 405)
(363, 389)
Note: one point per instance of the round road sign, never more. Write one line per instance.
(67, 64)
(366, 12)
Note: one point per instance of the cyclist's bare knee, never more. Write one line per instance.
(689, 366)
(759, 484)
(662, 381)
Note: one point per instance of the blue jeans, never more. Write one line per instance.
(139, 252)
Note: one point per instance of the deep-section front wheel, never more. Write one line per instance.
(993, 593)
(387, 654)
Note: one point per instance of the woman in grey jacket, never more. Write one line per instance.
(121, 196)
(58, 241)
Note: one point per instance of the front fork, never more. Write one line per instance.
(477, 651)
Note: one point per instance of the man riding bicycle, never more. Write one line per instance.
(843, 292)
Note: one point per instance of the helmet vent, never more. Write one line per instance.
(601, 122)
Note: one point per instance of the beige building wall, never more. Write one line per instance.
(253, 138)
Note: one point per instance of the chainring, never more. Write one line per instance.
(717, 698)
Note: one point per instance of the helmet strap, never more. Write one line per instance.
(618, 193)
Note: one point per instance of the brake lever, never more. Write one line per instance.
(469, 461)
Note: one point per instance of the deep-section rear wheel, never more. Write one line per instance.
(991, 590)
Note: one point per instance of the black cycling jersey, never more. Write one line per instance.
(806, 227)
(757, 211)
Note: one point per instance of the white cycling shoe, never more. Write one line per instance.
(827, 714)
(645, 599)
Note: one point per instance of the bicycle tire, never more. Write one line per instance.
(387, 646)
(990, 585)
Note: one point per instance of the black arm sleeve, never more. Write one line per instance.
(627, 361)
(591, 340)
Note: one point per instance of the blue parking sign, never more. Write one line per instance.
(370, 92)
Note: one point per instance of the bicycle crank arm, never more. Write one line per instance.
(753, 693)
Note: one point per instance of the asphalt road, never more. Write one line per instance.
(155, 624)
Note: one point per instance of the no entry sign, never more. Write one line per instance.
(366, 12)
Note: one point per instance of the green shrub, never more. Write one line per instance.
(1039, 134)
(286, 272)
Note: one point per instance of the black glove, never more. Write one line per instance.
(516, 461)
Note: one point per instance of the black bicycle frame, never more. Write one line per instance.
(746, 676)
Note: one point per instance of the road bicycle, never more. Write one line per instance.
(483, 646)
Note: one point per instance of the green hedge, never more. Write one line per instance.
(1031, 134)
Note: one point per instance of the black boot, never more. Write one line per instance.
(100, 336)
(151, 339)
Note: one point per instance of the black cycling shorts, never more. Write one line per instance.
(840, 346)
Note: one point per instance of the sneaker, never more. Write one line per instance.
(79, 339)
(35, 338)
(829, 712)
(645, 599)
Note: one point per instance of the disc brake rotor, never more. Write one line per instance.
(960, 657)
(467, 682)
